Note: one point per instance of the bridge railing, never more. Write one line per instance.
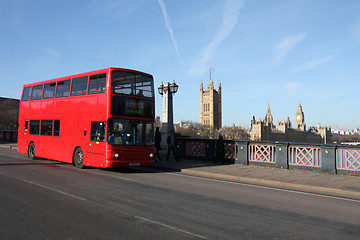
(197, 148)
(328, 158)
(8, 136)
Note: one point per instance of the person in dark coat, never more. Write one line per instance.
(157, 143)
(171, 145)
(220, 150)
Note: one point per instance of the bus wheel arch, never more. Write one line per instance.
(78, 157)
(31, 150)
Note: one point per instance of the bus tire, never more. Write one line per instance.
(78, 158)
(31, 151)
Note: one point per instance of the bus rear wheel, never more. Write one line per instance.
(78, 158)
(31, 151)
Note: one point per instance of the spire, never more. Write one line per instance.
(219, 86)
(268, 111)
(299, 110)
(201, 85)
(300, 118)
(300, 107)
(211, 84)
(268, 117)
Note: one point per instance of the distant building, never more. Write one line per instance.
(9, 113)
(266, 131)
(210, 106)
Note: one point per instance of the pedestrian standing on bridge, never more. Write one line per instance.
(220, 150)
(171, 145)
(157, 143)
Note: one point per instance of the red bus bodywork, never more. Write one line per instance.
(57, 126)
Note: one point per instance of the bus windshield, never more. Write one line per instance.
(132, 84)
(130, 132)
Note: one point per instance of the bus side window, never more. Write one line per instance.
(26, 94)
(26, 125)
(97, 83)
(79, 86)
(37, 92)
(49, 90)
(56, 128)
(97, 131)
(46, 127)
(63, 88)
(34, 127)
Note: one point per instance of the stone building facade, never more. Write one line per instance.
(210, 106)
(266, 131)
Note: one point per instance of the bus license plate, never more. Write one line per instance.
(134, 164)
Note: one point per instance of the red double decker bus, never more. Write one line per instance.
(103, 118)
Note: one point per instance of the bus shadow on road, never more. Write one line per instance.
(134, 170)
(188, 164)
(31, 164)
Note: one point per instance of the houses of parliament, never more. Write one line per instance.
(266, 131)
(262, 130)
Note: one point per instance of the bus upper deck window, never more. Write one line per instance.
(97, 83)
(49, 90)
(79, 86)
(36, 92)
(63, 88)
(26, 94)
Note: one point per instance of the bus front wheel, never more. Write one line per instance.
(31, 151)
(78, 158)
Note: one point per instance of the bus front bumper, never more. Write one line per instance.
(124, 163)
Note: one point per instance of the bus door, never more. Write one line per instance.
(22, 139)
(96, 146)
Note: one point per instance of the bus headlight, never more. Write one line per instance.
(116, 155)
(151, 155)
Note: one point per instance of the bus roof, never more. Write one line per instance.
(107, 70)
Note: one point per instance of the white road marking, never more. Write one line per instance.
(135, 216)
(55, 190)
(168, 226)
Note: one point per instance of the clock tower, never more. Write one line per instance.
(300, 119)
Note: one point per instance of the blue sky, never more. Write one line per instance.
(282, 52)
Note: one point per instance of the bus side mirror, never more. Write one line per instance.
(85, 132)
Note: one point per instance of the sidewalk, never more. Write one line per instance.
(294, 179)
(8, 145)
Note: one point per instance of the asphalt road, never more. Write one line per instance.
(43, 199)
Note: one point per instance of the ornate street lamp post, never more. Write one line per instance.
(167, 90)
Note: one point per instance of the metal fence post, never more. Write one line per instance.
(242, 153)
(328, 154)
(281, 155)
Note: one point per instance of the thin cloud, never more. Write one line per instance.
(285, 47)
(354, 29)
(292, 88)
(169, 27)
(313, 63)
(230, 18)
(48, 52)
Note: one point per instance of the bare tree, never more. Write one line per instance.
(208, 132)
(188, 129)
(234, 133)
(193, 129)
(9, 112)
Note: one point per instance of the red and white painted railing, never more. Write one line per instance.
(305, 156)
(348, 159)
(262, 153)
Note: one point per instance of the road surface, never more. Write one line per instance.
(44, 199)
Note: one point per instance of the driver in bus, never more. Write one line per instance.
(116, 136)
